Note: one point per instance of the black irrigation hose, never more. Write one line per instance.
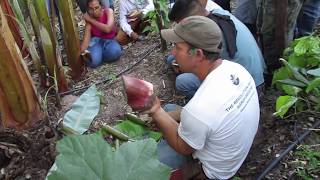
(283, 154)
(117, 75)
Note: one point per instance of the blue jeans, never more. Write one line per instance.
(246, 11)
(186, 83)
(166, 154)
(103, 51)
(308, 17)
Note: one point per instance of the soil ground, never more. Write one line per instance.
(31, 153)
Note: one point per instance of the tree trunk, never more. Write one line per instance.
(19, 104)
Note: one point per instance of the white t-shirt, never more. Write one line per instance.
(127, 6)
(221, 120)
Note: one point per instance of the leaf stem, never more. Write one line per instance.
(115, 132)
(134, 118)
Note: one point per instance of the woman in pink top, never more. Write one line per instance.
(99, 35)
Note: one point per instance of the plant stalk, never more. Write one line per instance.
(115, 133)
(134, 118)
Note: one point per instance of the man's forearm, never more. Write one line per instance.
(86, 38)
(103, 27)
(169, 128)
(175, 114)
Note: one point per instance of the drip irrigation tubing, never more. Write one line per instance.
(284, 153)
(117, 75)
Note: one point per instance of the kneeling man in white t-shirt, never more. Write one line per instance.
(219, 123)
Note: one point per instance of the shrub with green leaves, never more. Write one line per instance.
(309, 162)
(299, 79)
(154, 26)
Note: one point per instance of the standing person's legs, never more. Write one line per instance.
(246, 12)
(267, 21)
(308, 17)
(95, 48)
(294, 7)
(111, 51)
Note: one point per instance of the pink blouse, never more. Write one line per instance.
(98, 33)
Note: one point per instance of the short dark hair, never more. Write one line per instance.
(184, 8)
(89, 1)
(212, 56)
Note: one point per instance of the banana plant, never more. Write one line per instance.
(29, 43)
(48, 43)
(299, 79)
(70, 37)
(13, 25)
(53, 60)
(19, 102)
(158, 19)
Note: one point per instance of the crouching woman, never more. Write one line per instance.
(99, 34)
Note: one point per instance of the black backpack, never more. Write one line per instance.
(228, 30)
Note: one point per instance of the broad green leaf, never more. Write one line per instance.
(280, 74)
(86, 157)
(313, 84)
(292, 82)
(283, 104)
(295, 72)
(314, 72)
(298, 61)
(291, 90)
(147, 29)
(301, 47)
(316, 51)
(313, 61)
(83, 111)
(137, 131)
(303, 71)
(287, 52)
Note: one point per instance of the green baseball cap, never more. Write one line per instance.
(198, 31)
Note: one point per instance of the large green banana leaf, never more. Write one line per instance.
(84, 157)
(83, 111)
